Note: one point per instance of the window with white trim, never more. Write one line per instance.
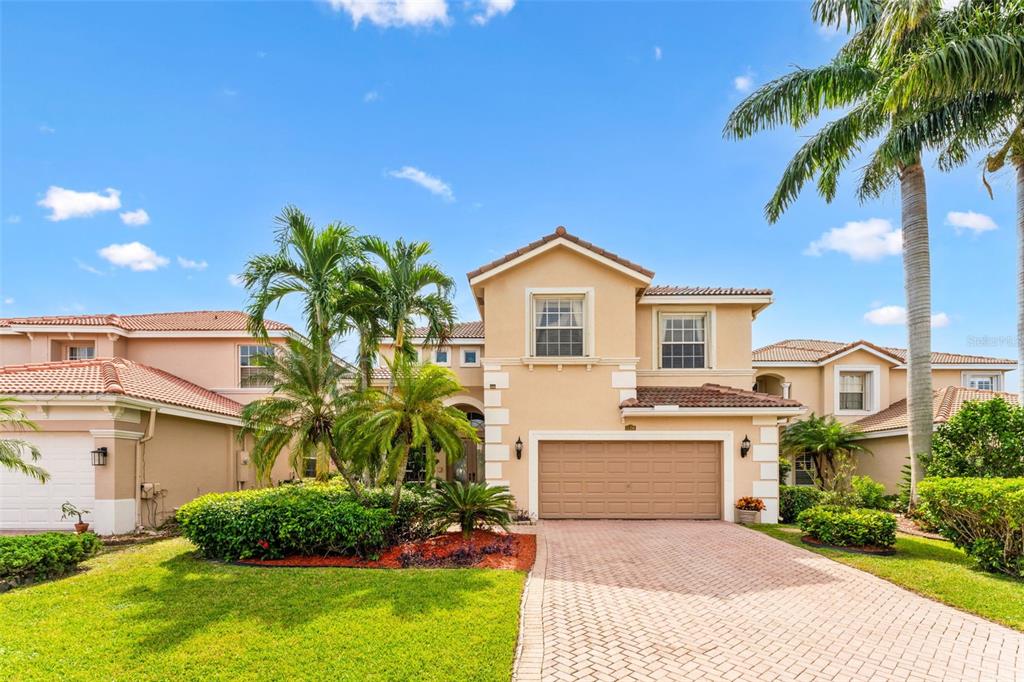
(441, 356)
(251, 373)
(804, 471)
(81, 352)
(853, 391)
(984, 382)
(683, 341)
(470, 357)
(558, 326)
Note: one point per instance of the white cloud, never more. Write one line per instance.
(371, 96)
(13, 219)
(139, 217)
(432, 184)
(387, 13)
(867, 240)
(261, 54)
(190, 264)
(888, 315)
(8, 301)
(657, 53)
(46, 130)
(67, 203)
(229, 92)
(493, 8)
(744, 83)
(134, 256)
(88, 268)
(969, 220)
(235, 280)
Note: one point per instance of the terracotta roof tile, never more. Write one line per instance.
(946, 402)
(194, 320)
(112, 376)
(814, 350)
(461, 330)
(560, 233)
(707, 395)
(670, 290)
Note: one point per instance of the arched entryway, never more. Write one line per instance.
(469, 467)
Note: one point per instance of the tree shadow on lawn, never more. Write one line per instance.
(194, 594)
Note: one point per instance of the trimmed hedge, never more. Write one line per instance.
(849, 527)
(276, 522)
(412, 522)
(46, 555)
(982, 516)
(793, 499)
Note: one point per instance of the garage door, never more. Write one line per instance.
(630, 480)
(26, 504)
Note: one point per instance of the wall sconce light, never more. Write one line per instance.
(99, 457)
(519, 448)
(744, 446)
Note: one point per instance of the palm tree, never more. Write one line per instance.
(12, 451)
(859, 82)
(831, 442)
(302, 412)
(471, 505)
(411, 416)
(311, 262)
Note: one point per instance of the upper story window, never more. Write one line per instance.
(683, 341)
(558, 325)
(984, 382)
(251, 374)
(81, 352)
(470, 357)
(853, 393)
(442, 356)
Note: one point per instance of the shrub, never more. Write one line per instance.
(47, 555)
(869, 493)
(983, 439)
(412, 521)
(982, 516)
(274, 522)
(793, 499)
(849, 527)
(472, 505)
(750, 504)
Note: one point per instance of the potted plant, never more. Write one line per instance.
(68, 510)
(749, 510)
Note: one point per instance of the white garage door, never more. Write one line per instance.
(27, 504)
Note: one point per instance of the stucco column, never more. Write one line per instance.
(115, 506)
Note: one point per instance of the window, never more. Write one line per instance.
(309, 467)
(804, 471)
(984, 382)
(558, 327)
(683, 342)
(81, 352)
(853, 391)
(470, 357)
(441, 356)
(251, 374)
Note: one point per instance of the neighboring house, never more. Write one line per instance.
(866, 385)
(162, 395)
(603, 396)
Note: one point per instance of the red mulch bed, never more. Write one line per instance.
(508, 551)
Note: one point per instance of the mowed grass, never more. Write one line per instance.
(157, 612)
(934, 569)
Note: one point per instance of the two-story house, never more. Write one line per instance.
(603, 396)
(866, 385)
(137, 414)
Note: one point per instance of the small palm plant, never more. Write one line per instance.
(832, 444)
(471, 505)
(12, 450)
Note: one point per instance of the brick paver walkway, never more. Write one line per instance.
(682, 600)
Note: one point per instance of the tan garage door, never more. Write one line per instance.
(630, 480)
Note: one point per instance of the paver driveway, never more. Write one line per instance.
(680, 600)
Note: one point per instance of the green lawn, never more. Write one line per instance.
(935, 569)
(156, 612)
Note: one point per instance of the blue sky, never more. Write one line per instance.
(478, 127)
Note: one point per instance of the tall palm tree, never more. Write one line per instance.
(302, 412)
(12, 450)
(858, 82)
(412, 416)
(311, 262)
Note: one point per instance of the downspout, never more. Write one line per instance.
(150, 432)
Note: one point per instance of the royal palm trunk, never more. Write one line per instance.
(1019, 165)
(917, 281)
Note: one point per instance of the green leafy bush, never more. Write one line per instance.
(845, 527)
(793, 499)
(472, 505)
(412, 521)
(869, 493)
(983, 439)
(47, 555)
(274, 522)
(982, 516)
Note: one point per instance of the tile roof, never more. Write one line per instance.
(112, 376)
(815, 350)
(560, 233)
(193, 320)
(707, 395)
(461, 330)
(946, 402)
(670, 290)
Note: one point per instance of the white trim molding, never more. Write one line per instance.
(559, 241)
(872, 392)
(116, 433)
(589, 323)
(726, 438)
(676, 411)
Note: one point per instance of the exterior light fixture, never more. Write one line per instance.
(519, 448)
(99, 457)
(744, 446)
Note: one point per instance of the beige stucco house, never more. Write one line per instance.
(158, 395)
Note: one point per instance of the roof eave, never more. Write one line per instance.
(678, 411)
(476, 277)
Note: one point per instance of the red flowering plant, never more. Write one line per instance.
(750, 504)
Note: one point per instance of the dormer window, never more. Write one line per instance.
(558, 326)
(81, 352)
(853, 391)
(683, 341)
(988, 381)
